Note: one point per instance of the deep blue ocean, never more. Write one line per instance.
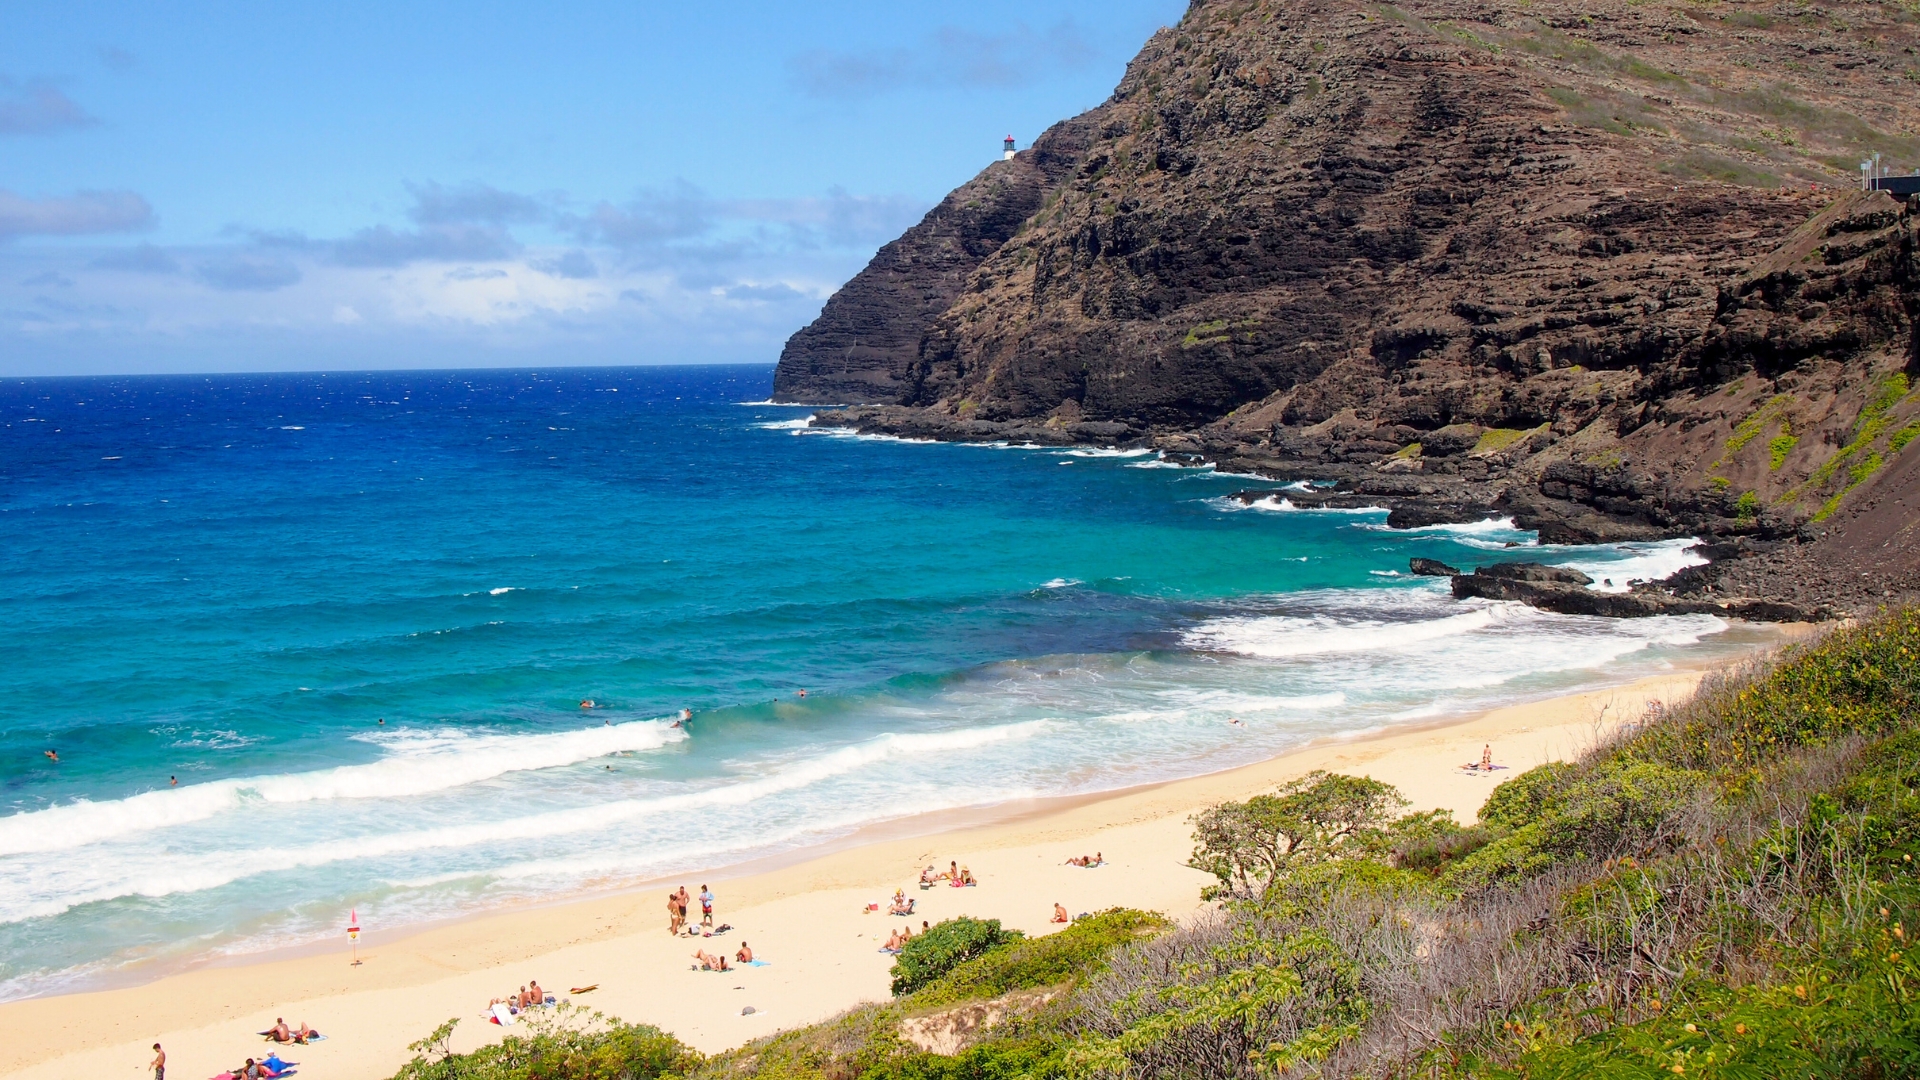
(306, 643)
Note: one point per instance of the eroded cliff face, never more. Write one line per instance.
(1599, 264)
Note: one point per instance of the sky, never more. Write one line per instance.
(191, 186)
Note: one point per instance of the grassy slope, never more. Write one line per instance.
(1721, 893)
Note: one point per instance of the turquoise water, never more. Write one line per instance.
(231, 581)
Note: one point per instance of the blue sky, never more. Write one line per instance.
(207, 187)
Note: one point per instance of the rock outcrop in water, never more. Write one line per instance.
(1599, 266)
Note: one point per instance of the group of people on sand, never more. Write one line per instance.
(718, 961)
(1088, 861)
(898, 939)
(1485, 764)
(955, 875)
(266, 1068)
(527, 997)
(677, 902)
(281, 1033)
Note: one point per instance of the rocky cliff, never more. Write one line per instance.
(1600, 265)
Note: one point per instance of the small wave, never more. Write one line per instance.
(1282, 504)
(786, 425)
(1624, 563)
(784, 405)
(502, 589)
(1274, 637)
(1385, 573)
(1460, 529)
(419, 764)
(1108, 452)
(293, 427)
(1062, 583)
(162, 874)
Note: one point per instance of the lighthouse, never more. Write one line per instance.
(1006, 153)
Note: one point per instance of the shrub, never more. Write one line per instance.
(944, 947)
(569, 1043)
(1050, 960)
(1248, 845)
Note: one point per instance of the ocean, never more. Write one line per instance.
(307, 644)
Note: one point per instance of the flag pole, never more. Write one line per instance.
(353, 935)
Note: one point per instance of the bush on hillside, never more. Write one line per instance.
(1050, 960)
(1248, 846)
(569, 1043)
(946, 946)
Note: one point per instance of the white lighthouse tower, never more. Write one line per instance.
(1007, 152)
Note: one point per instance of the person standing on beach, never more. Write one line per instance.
(159, 1063)
(706, 907)
(673, 914)
(680, 899)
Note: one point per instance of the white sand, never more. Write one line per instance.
(807, 919)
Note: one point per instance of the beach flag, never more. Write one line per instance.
(353, 925)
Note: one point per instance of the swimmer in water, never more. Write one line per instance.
(803, 693)
(686, 714)
(173, 781)
(52, 756)
(382, 720)
(587, 704)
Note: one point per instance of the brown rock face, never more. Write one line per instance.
(862, 348)
(1600, 265)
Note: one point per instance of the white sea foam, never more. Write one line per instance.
(500, 590)
(1637, 561)
(799, 424)
(785, 405)
(1062, 583)
(1285, 636)
(60, 883)
(415, 765)
(1282, 504)
(1107, 452)
(1484, 527)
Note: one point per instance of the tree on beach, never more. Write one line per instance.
(1248, 846)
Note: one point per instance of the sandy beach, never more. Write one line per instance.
(806, 918)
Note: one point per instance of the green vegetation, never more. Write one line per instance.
(1755, 424)
(1779, 447)
(1872, 423)
(568, 1044)
(1494, 440)
(1411, 450)
(1721, 891)
(1747, 506)
(945, 947)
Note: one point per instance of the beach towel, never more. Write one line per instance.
(502, 1015)
(758, 963)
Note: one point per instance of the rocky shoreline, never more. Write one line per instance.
(1758, 575)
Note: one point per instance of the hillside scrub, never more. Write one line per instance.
(1721, 890)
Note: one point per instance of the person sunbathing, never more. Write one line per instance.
(1081, 860)
(302, 1033)
(710, 962)
(966, 877)
(1060, 914)
(538, 995)
(744, 956)
(280, 1032)
(893, 943)
(953, 871)
(253, 1070)
(928, 877)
